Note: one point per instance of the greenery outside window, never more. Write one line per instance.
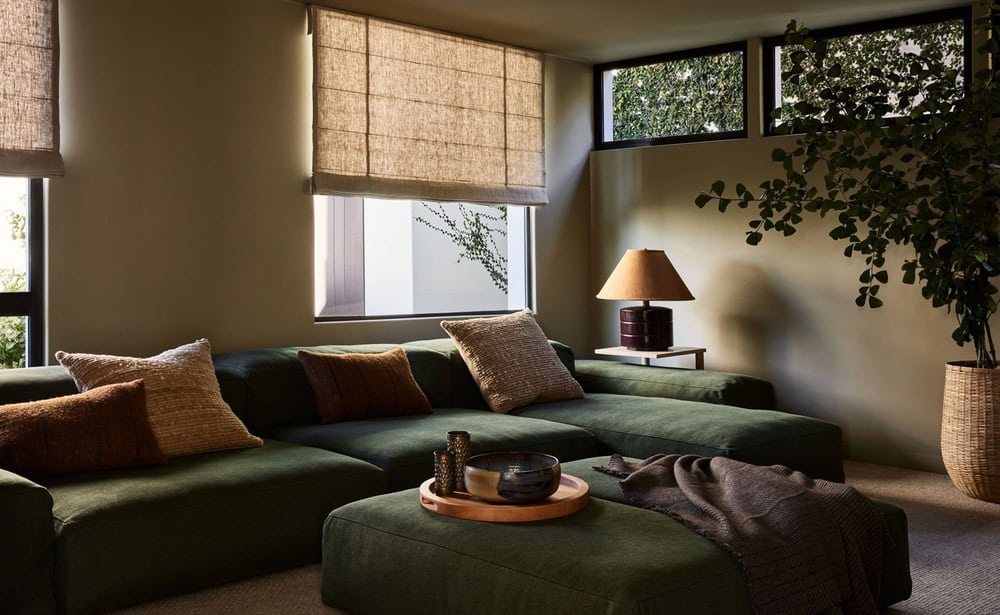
(864, 51)
(692, 95)
(21, 271)
(378, 258)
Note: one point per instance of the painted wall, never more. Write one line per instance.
(783, 310)
(184, 211)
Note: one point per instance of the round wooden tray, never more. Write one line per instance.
(572, 495)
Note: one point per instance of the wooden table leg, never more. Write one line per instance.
(699, 360)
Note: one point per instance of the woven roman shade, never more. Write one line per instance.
(29, 70)
(405, 112)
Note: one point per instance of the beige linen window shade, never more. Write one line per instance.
(29, 68)
(405, 112)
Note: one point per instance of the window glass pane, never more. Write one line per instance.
(689, 96)
(13, 242)
(858, 54)
(384, 257)
(13, 341)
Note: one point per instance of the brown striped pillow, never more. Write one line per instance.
(512, 361)
(101, 429)
(353, 386)
(185, 405)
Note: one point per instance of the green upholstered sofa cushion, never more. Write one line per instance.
(267, 388)
(129, 536)
(403, 446)
(34, 383)
(690, 384)
(643, 426)
(25, 546)
(896, 583)
(608, 558)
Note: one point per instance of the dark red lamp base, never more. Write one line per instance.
(647, 327)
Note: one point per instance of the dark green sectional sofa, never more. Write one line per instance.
(99, 541)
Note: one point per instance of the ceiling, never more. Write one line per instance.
(595, 31)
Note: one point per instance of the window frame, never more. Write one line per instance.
(600, 69)
(964, 13)
(528, 275)
(31, 303)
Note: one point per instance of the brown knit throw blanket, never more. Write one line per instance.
(806, 546)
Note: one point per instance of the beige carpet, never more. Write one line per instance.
(954, 540)
(954, 556)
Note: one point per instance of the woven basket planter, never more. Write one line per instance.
(970, 429)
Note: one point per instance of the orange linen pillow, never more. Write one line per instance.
(512, 361)
(185, 406)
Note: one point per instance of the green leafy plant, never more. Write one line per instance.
(910, 158)
(678, 97)
(476, 233)
(12, 328)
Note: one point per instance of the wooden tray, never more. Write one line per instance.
(572, 495)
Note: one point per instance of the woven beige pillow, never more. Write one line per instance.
(183, 400)
(512, 361)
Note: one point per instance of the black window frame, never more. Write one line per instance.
(600, 69)
(769, 45)
(31, 303)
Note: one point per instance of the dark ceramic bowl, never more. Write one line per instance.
(512, 478)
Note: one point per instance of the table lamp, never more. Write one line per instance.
(646, 275)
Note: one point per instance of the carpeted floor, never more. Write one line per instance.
(954, 557)
(954, 540)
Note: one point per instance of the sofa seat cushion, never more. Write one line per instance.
(896, 583)
(129, 536)
(644, 426)
(403, 446)
(690, 384)
(608, 558)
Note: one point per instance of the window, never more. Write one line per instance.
(21, 267)
(383, 258)
(694, 95)
(860, 48)
(29, 148)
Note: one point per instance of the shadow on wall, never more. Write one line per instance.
(751, 318)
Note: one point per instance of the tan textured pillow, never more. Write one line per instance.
(354, 386)
(101, 429)
(512, 361)
(183, 399)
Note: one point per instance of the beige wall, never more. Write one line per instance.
(783, 310)
(184, 213)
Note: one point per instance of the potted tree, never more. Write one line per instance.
(909, 157)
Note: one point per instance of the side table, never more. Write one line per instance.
(646, 355)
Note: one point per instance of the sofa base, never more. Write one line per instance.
(130, 536)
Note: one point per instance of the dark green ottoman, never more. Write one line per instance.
(896, 583)
(387, 554)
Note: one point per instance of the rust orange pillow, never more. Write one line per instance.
(106, 427)
(353, 386)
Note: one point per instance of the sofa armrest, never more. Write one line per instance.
(26, 546)
(687, 384)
